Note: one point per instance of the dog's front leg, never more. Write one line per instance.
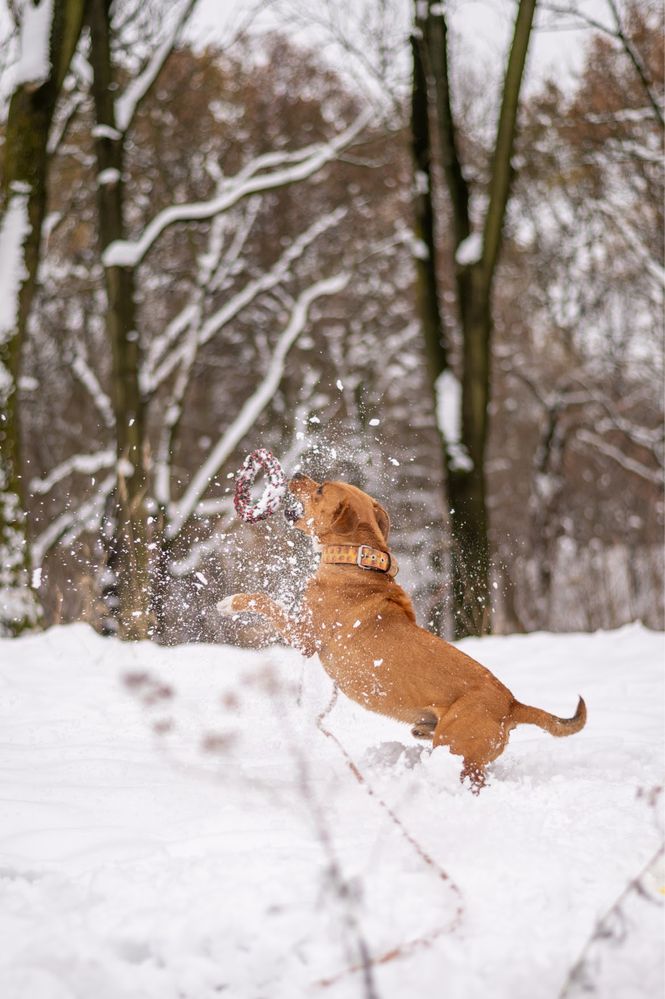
(293, 630)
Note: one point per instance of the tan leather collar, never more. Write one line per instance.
(361, 555)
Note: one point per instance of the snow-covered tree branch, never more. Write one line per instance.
(183, 509)
(210, 326)
(136, 90)
(298, 166)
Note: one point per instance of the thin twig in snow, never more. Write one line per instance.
(410, 946)
(605, 928)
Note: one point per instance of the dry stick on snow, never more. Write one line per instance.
(157, 697)
(152, 694)
(420, 943)
(342, 888)
(606, 927)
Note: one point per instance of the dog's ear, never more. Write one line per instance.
(344, 518)
(383, 520)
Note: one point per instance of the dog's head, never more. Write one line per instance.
(337, 513)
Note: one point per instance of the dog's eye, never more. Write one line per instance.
(319, 491)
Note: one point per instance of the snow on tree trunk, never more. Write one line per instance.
(47, 39)
(463, 405)
(18, 606)
(128, 557)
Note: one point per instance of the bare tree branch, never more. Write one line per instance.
(185, 507)
(616, 454)
(619, 34)
(90, 382)
(73, 522)
(300, 165)
(265, 282)
(502, 171)
(140, 86)
(84, 464)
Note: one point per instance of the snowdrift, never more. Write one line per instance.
(201, 821)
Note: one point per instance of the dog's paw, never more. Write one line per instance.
(236, 603)
(225, 607)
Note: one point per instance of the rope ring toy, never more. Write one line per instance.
(272, 496)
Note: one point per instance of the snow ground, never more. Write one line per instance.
(140, 865)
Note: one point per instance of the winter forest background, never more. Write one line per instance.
(415, 245)
(333, 230)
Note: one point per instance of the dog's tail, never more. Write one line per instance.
(522, 714)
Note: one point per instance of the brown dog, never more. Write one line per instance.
(363, 627)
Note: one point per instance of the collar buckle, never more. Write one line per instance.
(364, 551)
(367, 552)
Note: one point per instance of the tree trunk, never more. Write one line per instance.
(22, 209)
(129, 543)
(426, 285)
(474, 276)
(466, 478)
(425, 254)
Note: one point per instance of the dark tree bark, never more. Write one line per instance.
(425, 254)
(474, 277)
(22, 208)
(426, 285)
(128, 556)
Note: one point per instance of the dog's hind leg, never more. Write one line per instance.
(470, 730)
(476, 775)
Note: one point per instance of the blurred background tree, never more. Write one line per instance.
(462, 390)
(46, 43)
(287, 279)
